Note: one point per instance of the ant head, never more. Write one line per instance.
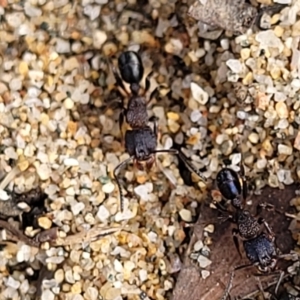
(131, 67)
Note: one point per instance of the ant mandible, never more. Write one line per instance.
(140, 139)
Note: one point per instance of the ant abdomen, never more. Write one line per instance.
(131, 67)
(229, 184)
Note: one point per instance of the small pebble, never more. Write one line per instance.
(268, 38)
(71, 162)
(47, 295)
(210, 228)
(62, 46)
(44, 222)
(186, 215)
(198, 246)
(204, 274)
(284, 149)
(282, 110)
(3, 195)
(103, 213)
(59, 275)
(199, 94)
(77, 208)
(235, 65)
(11, 282)
(204, 261)
(68, 103)
(99, 38)
(143, 275)
(43, 171)
(297, 141)
(108, 187)
(253, 138)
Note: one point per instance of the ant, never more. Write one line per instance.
(259, 245)
(141, 139)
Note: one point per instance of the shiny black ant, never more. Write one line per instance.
(259, 245)
(141, 139)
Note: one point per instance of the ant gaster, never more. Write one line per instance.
(141, 139)
(258, 245)
(229, 185)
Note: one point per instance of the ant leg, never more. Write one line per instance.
(244, 182)
(154, 94)
(225, 218)
(121, 122)
(185, 160)
(122, 164)
(220, 207)
(119, 80)
(243, 267)
(279, 281)
(269, 207)
(229, 286)
(154, 120)
(147, 83)
(150, 163)
(260, 286)
(115, 103)
(290, 256)
(189, 165)
(259, 208)
(281, 275)
(263, 221)
(235, 233)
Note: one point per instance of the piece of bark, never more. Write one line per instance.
(233, 15)
(49, 235)
(224, 256)
(43, 274)
(87, 236)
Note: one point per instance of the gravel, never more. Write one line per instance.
(225, 93)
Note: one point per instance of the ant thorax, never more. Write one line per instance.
(247, 225)
(136, 113)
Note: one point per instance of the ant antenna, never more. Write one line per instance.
(279, 281)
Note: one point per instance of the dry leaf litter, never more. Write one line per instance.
(219, 94)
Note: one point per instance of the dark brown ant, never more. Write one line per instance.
(141, 139)
(259, 245)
